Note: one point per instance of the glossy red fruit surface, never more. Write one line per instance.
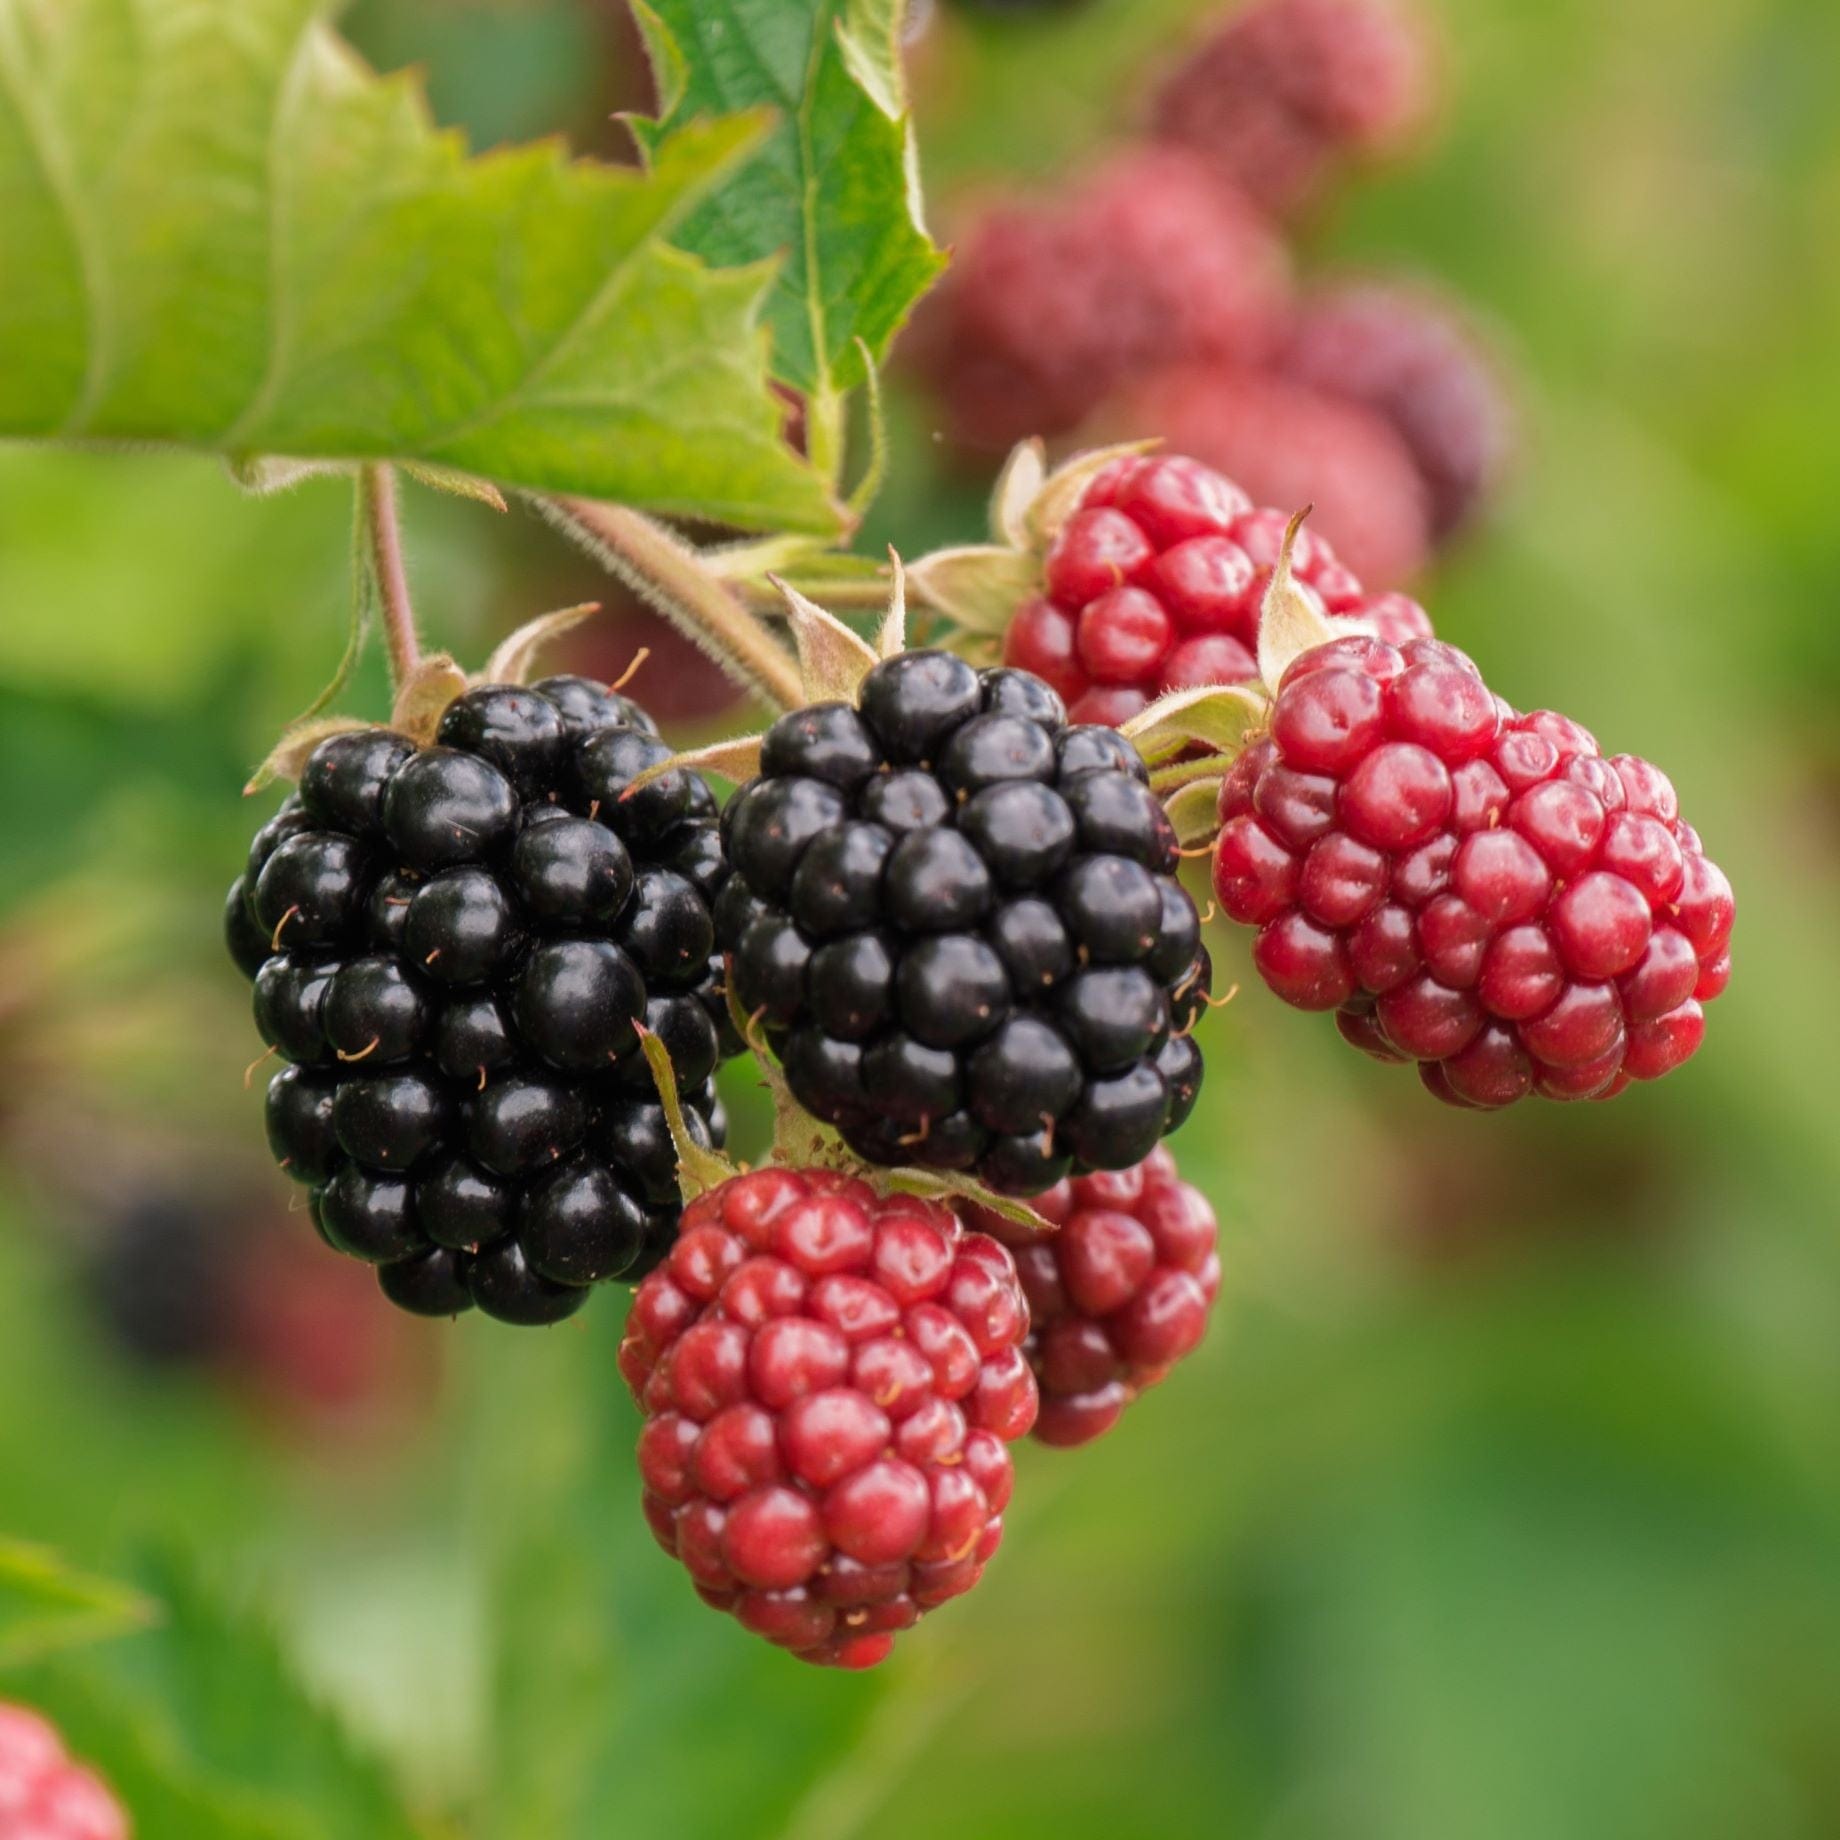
(1478, 891)
(1119, 1290)
(1156, 581)
(830, 1379)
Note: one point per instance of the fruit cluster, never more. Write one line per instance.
(1156, 582)
(452, 945)
(829, 1379)
(956, 919)
(1120, 1280)
(1153, 295)
(43, 1794)
(1479, 891)
(1284, 94)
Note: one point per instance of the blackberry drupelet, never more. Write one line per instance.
(452, 945)
(957, 921)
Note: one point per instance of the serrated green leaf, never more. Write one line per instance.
(833, 191)
(45, 1606)
(219, 229)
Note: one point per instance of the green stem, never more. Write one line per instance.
(377, 498)
(673, 579)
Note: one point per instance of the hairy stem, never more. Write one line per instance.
(672, 578)
(377, 496)
(837, 594)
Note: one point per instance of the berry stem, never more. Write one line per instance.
(377, 496)
(671, 577)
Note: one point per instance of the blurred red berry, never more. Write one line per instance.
(1284, 95)
(1052, 302)
(1413, 358)
(1291, 446)
(43, 1794)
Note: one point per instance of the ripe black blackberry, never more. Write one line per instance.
(957, 921)
(452, 945)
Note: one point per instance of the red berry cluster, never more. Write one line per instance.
(1120, 1288)
(1286, 93)
(829, 1379)
(1152, 296)
(1156, 583)
(1051, 303)
(1293, 444)
(43, 1794)
(1480, 891)
(1409, 356)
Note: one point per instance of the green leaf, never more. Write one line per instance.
(204, 1732)
(45, 1606)
(219, 229)
(834, 189)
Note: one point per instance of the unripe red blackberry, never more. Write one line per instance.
(1415, 359)
(43, 1794)
(957, 921)
(1149, 258)
(456, 943)
(1156, 582)
(1120, 1287)
(1480, 891)
(1287, 444)
(1287, 93)
(829, 1379)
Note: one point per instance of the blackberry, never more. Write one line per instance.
(830, 1380)
(1476, 890)
(452, 946)
(1156, 581)
(1120, 1285)
(957, 921)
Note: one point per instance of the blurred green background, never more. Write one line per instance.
(1503, 1500)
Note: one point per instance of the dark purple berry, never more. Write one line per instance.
(571, 872)
(825, 741)
(460, 1205)
(576, 1003)
(431, 1283)
(504, 1284)
(346, 776)
(299, 1115)
(520, 732)
(311, 890)
(461, 927)
(389, 1121)
(444, 807)
(368, 1215)
(578, 1225)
